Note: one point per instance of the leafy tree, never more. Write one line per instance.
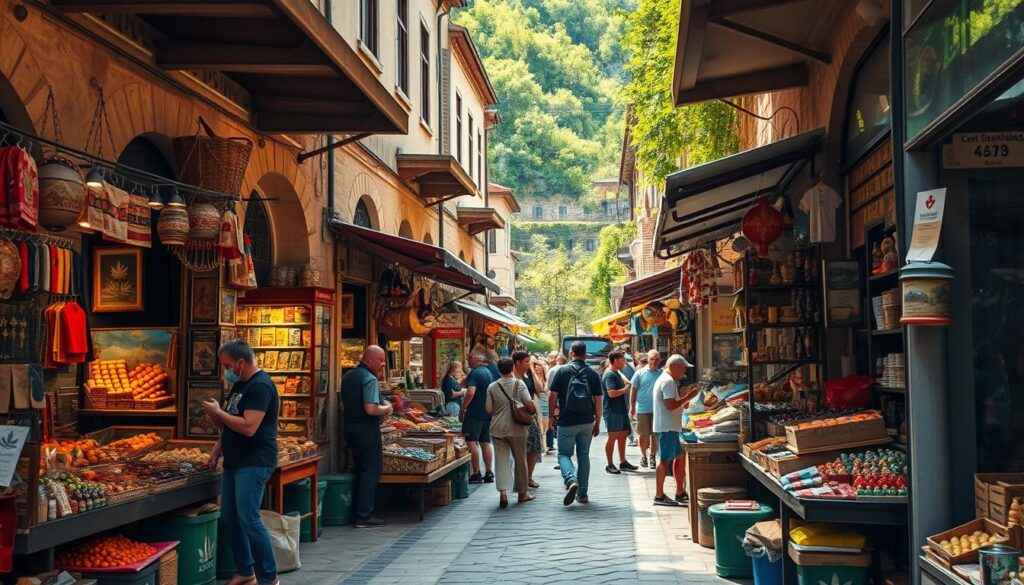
(544, 344)
(663, 133)
(605, 269)
(554, 290)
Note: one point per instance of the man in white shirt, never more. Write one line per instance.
(668, 424)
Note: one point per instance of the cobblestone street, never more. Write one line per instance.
(618, 538)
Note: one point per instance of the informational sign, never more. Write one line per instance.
(12, 441)
(979, 150)
(927, 225)
(723, 318)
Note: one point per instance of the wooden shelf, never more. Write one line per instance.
(294, 396)
(784, 362)
(293, 418)
(129, 412)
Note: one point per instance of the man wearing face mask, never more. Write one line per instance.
(248, 443)
(363, 410)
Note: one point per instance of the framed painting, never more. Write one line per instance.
(202, 352)
(205, 299)
(228, 304)
(348, 311)
(197, 424)
(137, 346)
(116, 279)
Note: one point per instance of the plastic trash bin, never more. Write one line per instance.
(337, 502)
(460, 482)
(296, 499)
(197, 548)
(763, 544)
(730, 528)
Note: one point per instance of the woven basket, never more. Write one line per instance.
(168, 572)
(213, 162)
(400, 464)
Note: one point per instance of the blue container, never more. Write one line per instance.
(767, 572)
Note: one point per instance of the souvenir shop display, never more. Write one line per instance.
(700, 272)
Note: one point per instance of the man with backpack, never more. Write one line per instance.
(576, 393)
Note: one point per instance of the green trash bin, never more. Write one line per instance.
(460, 482)
(337, 503)
(197, 551)
(730, 528)
(296, 499)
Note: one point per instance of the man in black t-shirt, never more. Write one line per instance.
(616, 413)
(248, 443)
(476, 422)
(579, 420)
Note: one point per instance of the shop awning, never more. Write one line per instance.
(300, 74)
(706, 203)
(479, 219)
(439, 176)
(514, 324)
(653, 287)
(728, 48)
(525, 338)
(603, 325)
(425, 259)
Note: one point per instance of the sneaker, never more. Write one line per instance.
(476, 478)
(631, 442)
(583, 499)
(627, 466)
(570, 493)
(682, 499)
(489, 477)
(612, 469)
(665, 501)
(371, 522)
(653, 464)
(643, 461)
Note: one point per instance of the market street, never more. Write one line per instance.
(618, 538)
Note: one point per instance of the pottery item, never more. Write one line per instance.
(61, 193)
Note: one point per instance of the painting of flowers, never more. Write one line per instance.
(117, 279)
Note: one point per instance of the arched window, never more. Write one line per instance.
(261, 237)
(362, 215)
(405, 230)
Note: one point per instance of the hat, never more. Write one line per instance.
(676, 358)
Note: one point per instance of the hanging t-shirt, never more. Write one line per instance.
(820, 203)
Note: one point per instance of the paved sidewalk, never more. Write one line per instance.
(619, 537)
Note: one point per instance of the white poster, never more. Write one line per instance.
(927, 225)
(12, 440)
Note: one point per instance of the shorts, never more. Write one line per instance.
(477, 431)
(616, 422)
(533, 441)
(644, 424)
(668, 446)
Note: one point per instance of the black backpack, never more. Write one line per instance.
(578, 399)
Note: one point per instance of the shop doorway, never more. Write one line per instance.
(261, 237)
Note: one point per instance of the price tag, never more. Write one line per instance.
(978, 150)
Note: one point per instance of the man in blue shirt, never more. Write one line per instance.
(628, 370)
(476, 422)
(641, 406)
(579, 421)
(363, 409)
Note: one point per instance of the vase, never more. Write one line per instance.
(203, 222)
(10, 268)
(61, 193)
(173, 226)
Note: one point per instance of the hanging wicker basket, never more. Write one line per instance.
(213, 162)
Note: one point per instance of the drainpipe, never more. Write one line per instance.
(328, 14)
(440, 117)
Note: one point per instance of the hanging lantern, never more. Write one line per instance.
(172, 226)
(61, 193)
(762, 225)
(203, 222)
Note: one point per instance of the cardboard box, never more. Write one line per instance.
(983, 524)
(816, 559)
(861, 433)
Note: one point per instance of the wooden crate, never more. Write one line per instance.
(152, 404)
(998, 488)
(710, 465)
(781, 467)
(861, 433)
(983, 524)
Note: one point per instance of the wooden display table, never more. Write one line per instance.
(710, 465)
(422, 480)
(292, 472)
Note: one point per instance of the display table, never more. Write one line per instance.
(422, 480)
(710, 465)
(292, 472)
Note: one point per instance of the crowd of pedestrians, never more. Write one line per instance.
(515, 410)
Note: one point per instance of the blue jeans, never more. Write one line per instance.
(575, 438)
(240, 496)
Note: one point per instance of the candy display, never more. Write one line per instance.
(103, 553)
(74, 495)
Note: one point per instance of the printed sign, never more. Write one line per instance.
(927, 225)
(979, 150)
(12, 440)
(450, 320)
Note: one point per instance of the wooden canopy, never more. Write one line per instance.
(439, 176)
(479, 219)
(302, 76)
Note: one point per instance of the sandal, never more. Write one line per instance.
(503, 502)
(534, 484)
(527, 498)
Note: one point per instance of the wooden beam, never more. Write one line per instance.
(224, 8)
(689, 46)
(304, 123)
(757, 82)
(723, 8)
(299, 86)
(299, 105)
(179, 55)
(227, 30)
(772, 39)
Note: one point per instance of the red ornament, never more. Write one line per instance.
(762, 225)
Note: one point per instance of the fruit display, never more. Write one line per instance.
(64, 454)
(104, 553)
(958, 545)
(148, 382)
(790, 418)
(192, 455)
(134, 444)
(110, 374)
(145, 382)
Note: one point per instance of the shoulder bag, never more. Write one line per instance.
(520, 414)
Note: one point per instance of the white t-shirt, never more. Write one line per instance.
(820, 202)
(665, 419)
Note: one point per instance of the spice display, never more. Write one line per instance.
(414, 452)
(104, 553)
(180, 455)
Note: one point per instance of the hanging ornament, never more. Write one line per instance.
(172, 226)
(762, 225)
(700, 273)
(203, 222)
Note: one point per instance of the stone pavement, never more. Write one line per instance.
(618, 538)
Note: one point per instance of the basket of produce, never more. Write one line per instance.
(960, 545)
(144, 383)
(443, 447)
(61, 454)
(409, 460)
(95, 396)
(389, 434)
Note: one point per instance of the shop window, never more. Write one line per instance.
(538, 212)
(868, 116)
(369, 12)
(492, 242)
(403, 46)
(479, 157)
(261, 237)
(569, 244)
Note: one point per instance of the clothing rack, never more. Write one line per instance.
(49, 240)
(11, 135)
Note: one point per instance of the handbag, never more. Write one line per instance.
(520, 414)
